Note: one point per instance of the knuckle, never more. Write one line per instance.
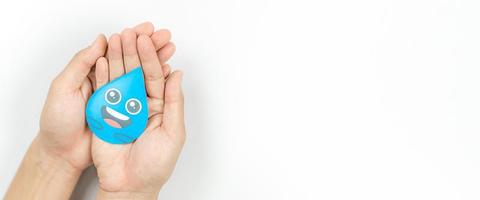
(154, 77)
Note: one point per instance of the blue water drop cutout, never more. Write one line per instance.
(117, 112)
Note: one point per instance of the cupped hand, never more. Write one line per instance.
(63, 131)
(139, 169)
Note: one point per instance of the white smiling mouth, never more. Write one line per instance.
(116, 114)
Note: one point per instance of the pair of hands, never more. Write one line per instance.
(135, 170)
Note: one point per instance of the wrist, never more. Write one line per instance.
(48, 161)
(43, 176)
(105, 195)
(75, 157)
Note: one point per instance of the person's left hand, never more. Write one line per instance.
(63, 133)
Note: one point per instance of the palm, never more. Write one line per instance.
(135, 166)
(145, 164)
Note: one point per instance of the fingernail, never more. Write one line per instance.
(95, 42)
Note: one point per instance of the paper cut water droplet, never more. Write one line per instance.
(117, 113)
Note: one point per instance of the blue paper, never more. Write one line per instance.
(117, 112)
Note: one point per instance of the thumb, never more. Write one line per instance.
(173, 116)
(79, 67)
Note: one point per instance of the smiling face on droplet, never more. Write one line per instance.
(117, 112)
(116, 118)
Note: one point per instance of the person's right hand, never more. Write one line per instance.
(139, 169)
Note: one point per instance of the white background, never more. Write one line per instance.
(345, 99)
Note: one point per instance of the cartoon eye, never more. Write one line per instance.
(113, 96)
(133, 106)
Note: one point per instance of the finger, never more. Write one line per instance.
(145, 28)
(173, 117)
(129, 47)
(101, 72)
(115, 58)
(166, 70)
(92, 79)
(154, 80)
(166, 52)
(160, 38)
(81, 64)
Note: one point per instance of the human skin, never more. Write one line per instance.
(138, 170)
(62, 148)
